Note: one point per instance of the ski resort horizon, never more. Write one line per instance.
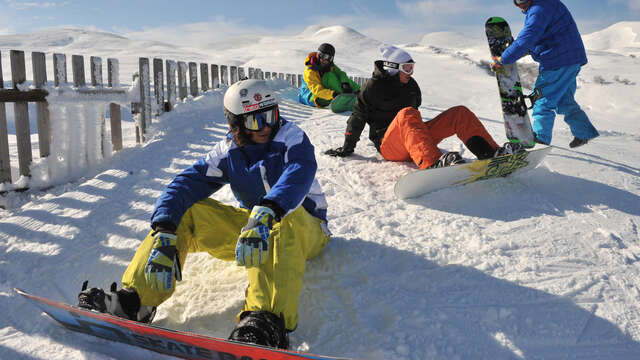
(542, 264)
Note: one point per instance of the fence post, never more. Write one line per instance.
(204, 77)
(158, 85)
(21, 111)
(39, 67)
(77, 67)
(267, 75)
(182, 80)
(241, 75)
(171, 84)
(145, 95)
(113, 69)
(96, 71)
(59, 69)
(215, 81)
(5, 166)
(224, 75)
(233, 71)
(193, 79)
(300, 78)
(252, 74)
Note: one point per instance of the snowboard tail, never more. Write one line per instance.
(170, 342)
(514, 109)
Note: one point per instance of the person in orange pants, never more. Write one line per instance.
(409, 138)
(389, 104)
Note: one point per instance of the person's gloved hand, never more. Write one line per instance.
(342, 151)
(346, 88)
(334, 95)
(163, 264)
(496, 64)
(253, 243)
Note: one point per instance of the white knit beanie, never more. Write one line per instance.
(393, 54)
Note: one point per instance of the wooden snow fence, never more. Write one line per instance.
(172, 81)
(20, 94)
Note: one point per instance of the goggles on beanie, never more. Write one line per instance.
(406, 68)
(257, 120)
(325, 56)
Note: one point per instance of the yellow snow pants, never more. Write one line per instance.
(213, 227)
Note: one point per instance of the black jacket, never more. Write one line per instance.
(379, 101)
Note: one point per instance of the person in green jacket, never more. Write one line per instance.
(323, 80)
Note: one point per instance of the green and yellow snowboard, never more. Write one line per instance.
(424, 181)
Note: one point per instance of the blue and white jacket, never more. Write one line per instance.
(282, 170)
(551, 36)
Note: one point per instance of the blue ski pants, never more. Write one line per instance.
(558, 91)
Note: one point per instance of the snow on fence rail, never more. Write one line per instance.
(77, 139)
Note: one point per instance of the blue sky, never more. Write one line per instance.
(394, 21)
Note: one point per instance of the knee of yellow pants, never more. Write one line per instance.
(276, 285)
(208, 226)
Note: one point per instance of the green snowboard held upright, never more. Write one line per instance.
(343, 102)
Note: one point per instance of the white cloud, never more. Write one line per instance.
(24, 5)
(633, 5)
(437, 8)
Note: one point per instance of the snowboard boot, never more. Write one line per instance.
(448, 159)
(577, 142)
(261, 328)
(124, 303)
(538, 141)
(509, 148)
(480, 147)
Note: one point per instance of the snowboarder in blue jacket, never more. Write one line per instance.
(281, 222)
(551, 36)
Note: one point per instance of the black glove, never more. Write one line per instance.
(341, 151)
(346, 88)
(334, 95)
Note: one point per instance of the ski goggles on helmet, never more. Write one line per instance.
(522, 3)
(406, 68)
(257, 120)
(325, 56)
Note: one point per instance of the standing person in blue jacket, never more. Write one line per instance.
(551, 36)
(270, 165)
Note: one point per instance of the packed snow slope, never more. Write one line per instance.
(542, 265)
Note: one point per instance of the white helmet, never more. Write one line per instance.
(251, 104)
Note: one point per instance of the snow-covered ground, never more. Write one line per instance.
(542, 265)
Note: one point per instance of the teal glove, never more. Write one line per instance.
(253, 243)
(163, 264)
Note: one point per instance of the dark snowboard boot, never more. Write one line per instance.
(448, 159)
(577, 142)
(124, 303)
(262, 328)
(480, 147)
(509, 148)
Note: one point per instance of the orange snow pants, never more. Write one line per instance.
(409, 138)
